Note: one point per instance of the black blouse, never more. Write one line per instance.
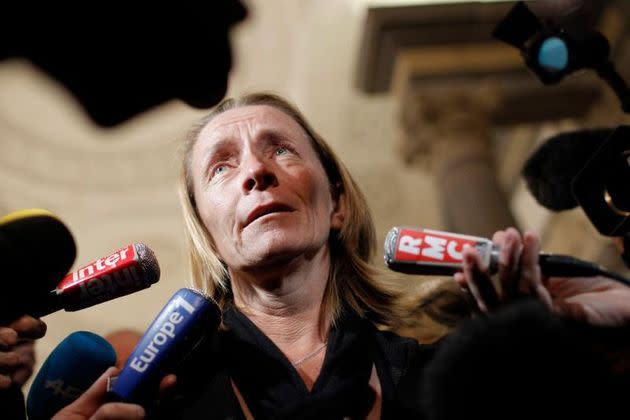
(273, 389)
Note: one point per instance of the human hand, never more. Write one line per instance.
(92, 404)
(17, 355)
(594, 300)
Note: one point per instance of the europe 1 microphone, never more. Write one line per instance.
(184, 322)
(431, 252)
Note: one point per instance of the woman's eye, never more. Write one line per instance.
(282, 151)
(219, 170)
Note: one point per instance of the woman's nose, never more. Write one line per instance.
(259, 175)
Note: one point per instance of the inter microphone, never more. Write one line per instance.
(125, 271)
(186, 319)
(431, 252)
(68, 372)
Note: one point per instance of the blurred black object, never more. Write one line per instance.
(550, 170)
(552, 52)
(119, 62)
(602, 187)
(589, 168)
(524, 362)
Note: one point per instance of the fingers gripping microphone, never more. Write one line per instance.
(432, 252)
(182, 324)
(69, 370)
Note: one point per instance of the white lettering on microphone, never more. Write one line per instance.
(452, 251)
(113, 284)
(432, 247)
(112, 260)
(435, 247)
(166, 332)
(99, 265)
(410, 245)
(62, 390)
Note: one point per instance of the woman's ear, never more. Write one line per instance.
(338, 215)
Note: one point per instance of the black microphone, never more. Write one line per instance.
(432, 252)
(550, 170)
(36, 251)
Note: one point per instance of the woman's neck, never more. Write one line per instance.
(285, 303)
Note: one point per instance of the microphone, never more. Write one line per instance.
(36, 251)
(551, 169)
(431, 252)
(69, 370)
(181, 325)
(123, 272)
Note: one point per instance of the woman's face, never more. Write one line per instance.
(260, 189)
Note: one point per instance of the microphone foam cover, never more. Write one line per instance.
(549, 171)
(148, 262)
(71, 368)
(36, 252)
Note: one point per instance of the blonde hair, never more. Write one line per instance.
(435, 309)
(352, 279)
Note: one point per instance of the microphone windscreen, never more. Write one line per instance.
(70, 369)
(550, 170)
(36, 251)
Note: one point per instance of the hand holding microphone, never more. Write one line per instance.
(186, 319)
(92, 404)
(68, 372)
(17, 358)
(569, 286)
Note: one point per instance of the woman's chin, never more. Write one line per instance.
(276, 256)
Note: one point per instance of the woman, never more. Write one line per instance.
(280, 227)
(281, 238)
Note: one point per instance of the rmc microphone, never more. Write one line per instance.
(183, 323)
(125, 271)
(431, 252)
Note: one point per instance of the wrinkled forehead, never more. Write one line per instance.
(252, 119)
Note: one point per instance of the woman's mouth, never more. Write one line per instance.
(266, 209)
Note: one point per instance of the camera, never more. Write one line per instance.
(589, 168)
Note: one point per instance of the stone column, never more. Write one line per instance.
(448, 130)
